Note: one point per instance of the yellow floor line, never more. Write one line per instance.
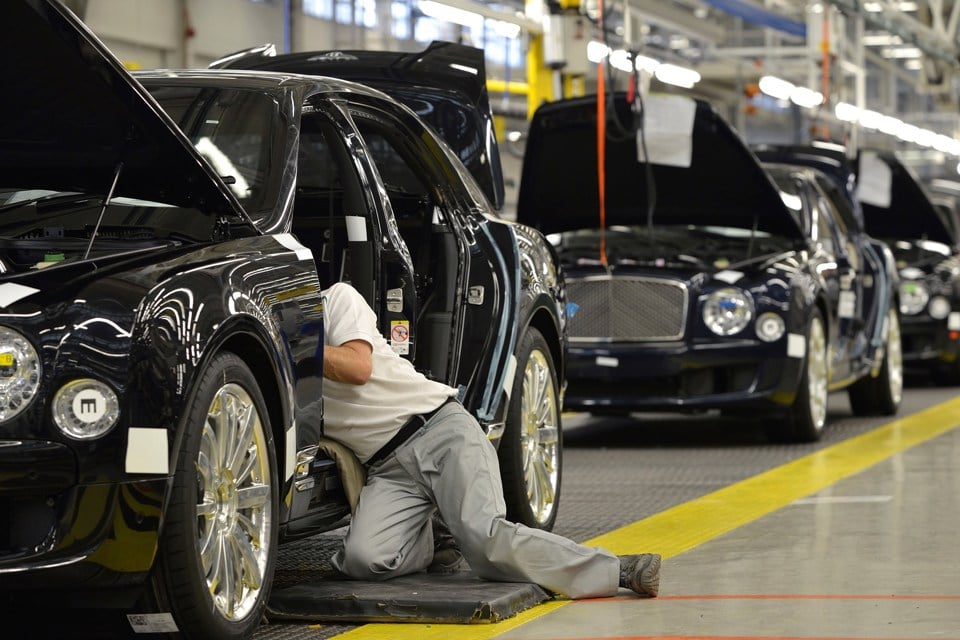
(688, 525)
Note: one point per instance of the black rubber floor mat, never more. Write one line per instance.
(457, 598)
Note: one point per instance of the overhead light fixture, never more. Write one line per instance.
(776, 87)
(901, 52)
(877, 7)
(847, 112)
(881, 40)
(664, 72)
(469, 19)
(804, 97)
(677, 75)
(783, 90)
(445, 12)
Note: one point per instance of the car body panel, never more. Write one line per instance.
(444, 84)
(877, 266)
(141, 286)
(638, 340)
(927, 256)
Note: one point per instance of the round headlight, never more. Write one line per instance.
(770, 326)
(913, 297)
(727, 311)
(939, 308)
(19, 373)
(85, 409)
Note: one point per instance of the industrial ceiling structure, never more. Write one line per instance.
(882, 73)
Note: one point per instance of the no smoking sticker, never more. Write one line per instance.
(400, 336)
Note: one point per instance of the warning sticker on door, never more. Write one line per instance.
(400, 336)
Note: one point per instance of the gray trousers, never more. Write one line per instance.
(450, 465)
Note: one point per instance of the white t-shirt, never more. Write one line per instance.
(364, 417)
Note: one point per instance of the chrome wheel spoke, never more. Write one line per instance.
(235, 505)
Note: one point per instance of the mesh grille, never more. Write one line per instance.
(627, 309)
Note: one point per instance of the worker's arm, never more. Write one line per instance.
(350, 363)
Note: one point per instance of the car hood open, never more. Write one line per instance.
(444, 84)
(894, 203)
(724, 183)
(72, 115)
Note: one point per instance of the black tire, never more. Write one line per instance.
(807, 416)
(531, 449)
(881, 395)
(218, 548)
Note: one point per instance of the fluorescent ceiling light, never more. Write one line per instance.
(776, 87)
(804, 97)
(890, 125)
(597, 51)
(901, 52)
(676, 75)
(870, 119)
(908, 133)
(447, 13)
(881, 40)
(877, 7)
(847, 112)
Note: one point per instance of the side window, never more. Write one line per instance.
(328, 194)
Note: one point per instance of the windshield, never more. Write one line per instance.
(701, 247)
(239, 131)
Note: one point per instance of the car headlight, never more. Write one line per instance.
(85, 409)
(727, 311)
(19, 373)
(939, 307)
(770, 326)
(913, 297)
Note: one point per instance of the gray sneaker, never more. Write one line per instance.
(641, 573)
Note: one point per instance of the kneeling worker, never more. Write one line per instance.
(424, 452)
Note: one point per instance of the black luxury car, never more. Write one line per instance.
(701, 283)
(165, 241)
(898, 209)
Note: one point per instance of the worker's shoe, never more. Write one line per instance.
(447, 557)
(641, 573)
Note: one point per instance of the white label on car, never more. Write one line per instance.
(290, 464)
(848, 304)
(11, 292)
(953, 321)
(875, 181)
(667, 135)
(152, 623)
(294, 245)
(508, 377)
(796, 345)
(607, 361)
(147, 451)
(728, 275)
(356, 228)
(400, 336)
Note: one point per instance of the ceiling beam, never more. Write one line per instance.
(672, 17)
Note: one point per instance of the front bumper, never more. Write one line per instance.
(929, 343)
(56, 533)
(678, 376)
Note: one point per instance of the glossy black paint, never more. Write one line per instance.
(719, 222)
(927, 253)
(184, 265)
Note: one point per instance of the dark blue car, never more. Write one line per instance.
(701, 284)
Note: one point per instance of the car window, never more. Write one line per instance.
(238, 131)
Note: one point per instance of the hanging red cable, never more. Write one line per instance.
(601, 145)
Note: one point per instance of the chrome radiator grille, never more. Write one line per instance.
(627, 308)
